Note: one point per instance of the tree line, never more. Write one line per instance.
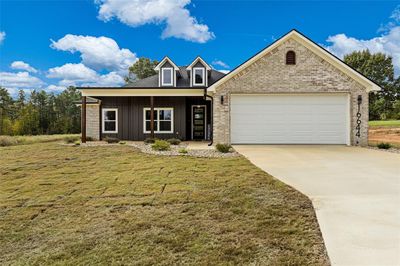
(48, 113)
(40, 113)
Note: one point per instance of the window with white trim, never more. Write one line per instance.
(167, 78)
(110, 120)
(163, 120)
(198, 76)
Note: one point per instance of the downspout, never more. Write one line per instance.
(211, 117)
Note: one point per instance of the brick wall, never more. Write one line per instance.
(270, 74)
(93, 121)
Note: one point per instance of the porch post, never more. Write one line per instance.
(152, 117)
(83, 120)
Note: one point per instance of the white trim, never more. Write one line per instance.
(207, 66)
(157, 119)
(203, 70)
(104, 121)
(165, 59)
(166, 91)
(369, 85)
(162, 76)
(205, 119)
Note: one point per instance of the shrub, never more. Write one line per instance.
(77, 143)
(90, 139)
(174, 141)
(183, 151)
(110, 140)
(384, 145)
(7, 141)
(122, 142)
(149, 140)
(161, 145)
(71, 139)
(222, 147)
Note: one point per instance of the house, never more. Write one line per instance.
(291, 92)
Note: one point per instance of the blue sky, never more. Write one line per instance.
(52, 44)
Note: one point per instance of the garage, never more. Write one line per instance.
(290, 119)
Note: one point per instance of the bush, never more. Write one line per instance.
(122, 142)
(384, 145)
(110, 140)
(183, 151)
(224, 148)
(161, 145)
(90, 139)
(174, 141)
(77, 143)
(149, 140)
(71, 139)
(7, 141)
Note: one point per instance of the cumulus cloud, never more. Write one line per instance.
(97, 52)
(81, 75)
(173, 13)
(220, 63)
(20, 80)
(2, 36)
(388, 42)
(21, 65)
(55, 88)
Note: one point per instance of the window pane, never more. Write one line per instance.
(109, 115)
(109, 126)
(167, 76)
(198, 76)
(165, 114)
(148, 126)
(148, 112)
(165, 125)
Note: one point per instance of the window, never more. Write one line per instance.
(110, 120)
(198, 76)
(290, 58)
(163, 120)
(167, 78)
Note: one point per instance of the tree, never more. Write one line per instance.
(6, 103)
(141, 69)
(379, 68)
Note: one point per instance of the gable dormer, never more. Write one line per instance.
(167, 73)
(199, 72)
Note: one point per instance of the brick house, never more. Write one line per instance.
(291, 92)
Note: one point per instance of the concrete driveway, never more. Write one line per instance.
(355, 192)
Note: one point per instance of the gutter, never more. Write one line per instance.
(211, 117)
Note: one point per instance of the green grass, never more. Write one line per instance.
(75, 205)
(384, 123)
(22, 140)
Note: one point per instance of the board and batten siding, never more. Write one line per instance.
(130, 116)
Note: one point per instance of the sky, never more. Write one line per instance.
(53, 44)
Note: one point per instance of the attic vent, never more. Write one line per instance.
(290, 58)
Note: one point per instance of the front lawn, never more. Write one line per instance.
(384, 123)
(114, 205)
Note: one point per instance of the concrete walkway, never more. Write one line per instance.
(355, 192)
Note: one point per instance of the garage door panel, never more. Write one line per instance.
(289, 119)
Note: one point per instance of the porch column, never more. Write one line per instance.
(83, 120)
(152, 117)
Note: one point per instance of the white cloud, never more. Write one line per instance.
(224, 71)
(21, 65)
(81, 75)
(97, 52)
(2, 36)
(220, 63)
(179, 22)
(55, 88)
(20, 80)
(388, 43)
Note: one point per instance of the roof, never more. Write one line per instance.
(89, 100)
(198, 59)
(165, 59)
(311, 45)
(182, 81)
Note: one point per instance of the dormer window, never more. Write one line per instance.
(167, 76)
(198, 76)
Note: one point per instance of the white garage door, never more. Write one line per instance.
(290, 119)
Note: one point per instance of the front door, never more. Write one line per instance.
(198, 122)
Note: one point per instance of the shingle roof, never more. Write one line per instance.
(182, 81)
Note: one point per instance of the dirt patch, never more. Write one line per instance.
(381, 134)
